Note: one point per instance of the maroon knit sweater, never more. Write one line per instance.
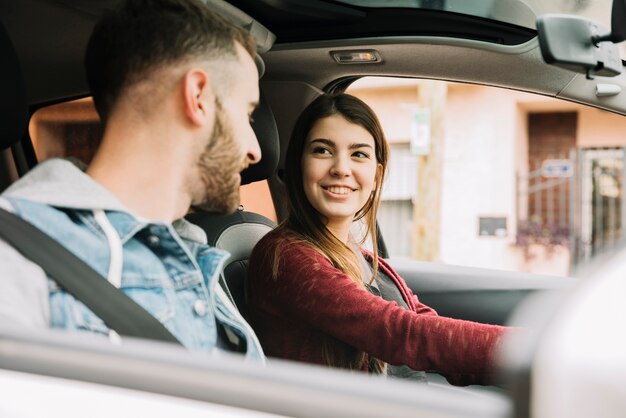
(311, 301)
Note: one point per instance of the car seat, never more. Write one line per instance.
(239, 232)
(13, 106)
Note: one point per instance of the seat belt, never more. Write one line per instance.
(118, 311)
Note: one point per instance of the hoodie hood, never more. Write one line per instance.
(62, 183)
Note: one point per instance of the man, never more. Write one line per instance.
(175, 86)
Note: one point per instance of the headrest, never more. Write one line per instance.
(237, 232)
(266, 132)
(13, 106)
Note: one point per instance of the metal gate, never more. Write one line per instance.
(601, 210)
(574, 201)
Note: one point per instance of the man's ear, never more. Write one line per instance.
(198, 97)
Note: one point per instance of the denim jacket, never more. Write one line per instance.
(168, 269)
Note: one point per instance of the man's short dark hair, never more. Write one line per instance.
(142, 36)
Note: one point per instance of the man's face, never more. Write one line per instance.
(233, 144)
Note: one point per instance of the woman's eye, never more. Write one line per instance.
(360, 154)
(320, 150)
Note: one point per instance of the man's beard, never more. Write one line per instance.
(219, 167)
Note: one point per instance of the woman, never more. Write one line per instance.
(316, 296)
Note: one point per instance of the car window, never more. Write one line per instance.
(72, 129)
(68, 129)
(489, 177)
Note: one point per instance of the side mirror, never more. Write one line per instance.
(579, 45)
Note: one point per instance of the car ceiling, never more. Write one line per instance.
(456, 48)
(50, 38)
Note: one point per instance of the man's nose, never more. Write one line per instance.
(254, 151)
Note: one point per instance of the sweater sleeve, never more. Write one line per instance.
(309, 289)
(24, 301)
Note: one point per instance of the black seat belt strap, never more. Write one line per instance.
(118, 311)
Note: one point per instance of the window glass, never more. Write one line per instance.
(488, 177)
(72, 129)
(256, 197)
(509, 11)
(518, 12)
(69, 129)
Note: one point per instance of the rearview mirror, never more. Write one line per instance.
(578, 45)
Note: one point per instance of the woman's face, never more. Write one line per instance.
(338, 169)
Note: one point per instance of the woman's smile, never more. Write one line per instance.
(338, 190)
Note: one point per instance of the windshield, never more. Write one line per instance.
(596, 10)
(517, 12)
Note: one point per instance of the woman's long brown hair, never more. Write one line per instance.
(304, 223)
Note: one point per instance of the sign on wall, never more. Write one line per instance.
(492, 226)
(557, 168)
(420, 131)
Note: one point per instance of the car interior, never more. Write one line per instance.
(305, 48)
